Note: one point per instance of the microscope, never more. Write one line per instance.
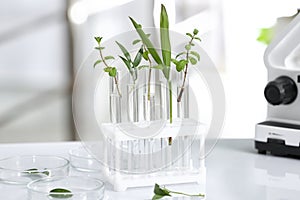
(280, 133)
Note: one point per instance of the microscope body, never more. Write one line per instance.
(280, 133)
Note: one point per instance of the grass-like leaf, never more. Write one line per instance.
(124, 50)
(146, 41)
(127, 63)
(138, 58)
(146, 55)
(165, 40)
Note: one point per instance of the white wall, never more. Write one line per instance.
(245, 76)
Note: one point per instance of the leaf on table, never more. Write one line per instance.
(60, 193)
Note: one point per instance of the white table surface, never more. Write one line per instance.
(234, 172)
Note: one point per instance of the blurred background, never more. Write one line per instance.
(43, 43)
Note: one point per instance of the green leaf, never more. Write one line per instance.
(97, 62)
(146, 55)
(47, 173)
(192, 60)
(35, 171)
(146, 41)
(136, 41)
(188, 47)
(266, 35)
(107, 69)
(143, 66)
(98, 39)
(108, 57)
(181, 65)
(195, 32)
(188, 34)
(165, 40)
(194, 53)
(158, 67)
(124, 50)
(174, 61)
(180, 54)
(161, 191)
(113, 72)
(138, 58)
(99, 48)
(197, 38)
(148, 34)
(156, 196)
(127, 63)
(60, 193)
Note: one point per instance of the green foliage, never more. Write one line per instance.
(124, 50)
(160, 193)
(190, 56)
(197, 55)
(266, 35)
(35, 171)
(187, 47)
(132, 66)
(165, 41)
(192, 60)
(60, 193)
(195, 32)
(98, 39)
(146, 41)
(112, 71)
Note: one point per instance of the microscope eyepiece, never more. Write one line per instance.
(281, 91)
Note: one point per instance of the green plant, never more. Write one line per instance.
(111, 70)
(191, 57)
(160, 193)
(35, 171)
(165, 63)
(132, 65)
(147, 59)
(60, 193)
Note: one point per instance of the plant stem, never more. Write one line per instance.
(116, 80)
(190, 195)
(184, 79)
(170, 101)
(170, 109)
(149, 78)
(117, 85)
(185, 73)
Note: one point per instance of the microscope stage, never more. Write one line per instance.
(277, 138)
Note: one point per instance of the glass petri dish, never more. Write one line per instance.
(70, 187)
(23, 169)
(81, 160)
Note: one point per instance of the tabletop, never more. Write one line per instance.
(234, 171)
